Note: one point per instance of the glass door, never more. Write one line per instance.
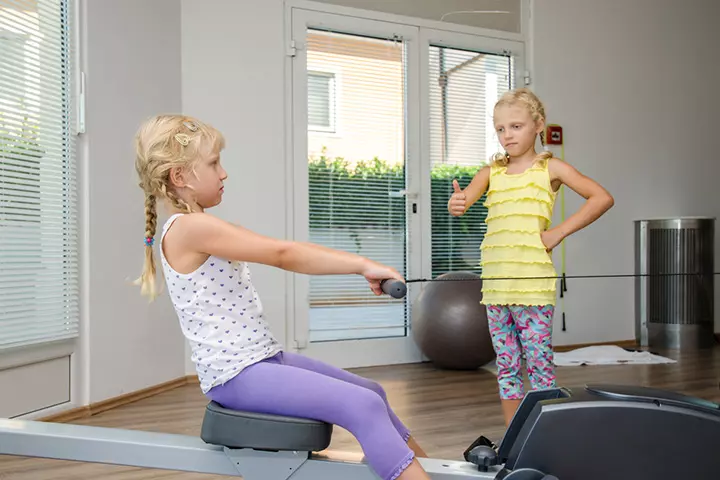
(355, 160)
(463, 77)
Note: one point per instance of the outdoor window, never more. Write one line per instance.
(38, 200)
(321, 101)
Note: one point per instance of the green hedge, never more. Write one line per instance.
(343, 197)
(20, 151)
(458, 237)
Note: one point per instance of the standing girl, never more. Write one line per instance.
(205, 263)
(521, 189)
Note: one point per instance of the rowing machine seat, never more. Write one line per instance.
(259, 431)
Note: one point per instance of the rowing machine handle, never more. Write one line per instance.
(394, 288)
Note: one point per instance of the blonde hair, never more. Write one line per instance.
(526, 98)
(162, 143)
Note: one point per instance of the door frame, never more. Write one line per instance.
(418, 34)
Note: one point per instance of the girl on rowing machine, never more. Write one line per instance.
(521, 189)
(205, 263)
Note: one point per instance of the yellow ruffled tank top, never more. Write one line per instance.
(520, 208)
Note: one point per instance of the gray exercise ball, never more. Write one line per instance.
(449, 323)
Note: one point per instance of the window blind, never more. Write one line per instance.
(356, 173)
(39, 291)
(464, 87)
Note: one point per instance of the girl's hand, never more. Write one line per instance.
(375, 273)
(551, 239)
(458, 201)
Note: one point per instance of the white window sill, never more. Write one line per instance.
(16, 357)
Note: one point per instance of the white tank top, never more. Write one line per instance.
(221, 316)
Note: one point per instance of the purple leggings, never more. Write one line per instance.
(297, 386)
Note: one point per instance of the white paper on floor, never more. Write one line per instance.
(606, 355)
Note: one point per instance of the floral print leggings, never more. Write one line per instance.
(516, 330)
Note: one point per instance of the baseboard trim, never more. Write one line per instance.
(619, 343)
(111, 403)
(69, 415)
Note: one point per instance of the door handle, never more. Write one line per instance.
(404, 193)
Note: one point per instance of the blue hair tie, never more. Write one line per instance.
(149, 241)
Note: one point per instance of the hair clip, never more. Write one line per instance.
(190, 125)
(149, 241)
(182, 139)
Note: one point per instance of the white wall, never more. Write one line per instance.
(634, 86)
(132, 63)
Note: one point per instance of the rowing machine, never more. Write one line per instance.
(599, 432)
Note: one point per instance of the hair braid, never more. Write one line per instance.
(545, 155)
(176, 201)
(147, 279)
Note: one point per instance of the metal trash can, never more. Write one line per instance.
(674, 289)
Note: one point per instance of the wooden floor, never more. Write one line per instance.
(445, 410)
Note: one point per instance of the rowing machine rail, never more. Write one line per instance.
(190, 454)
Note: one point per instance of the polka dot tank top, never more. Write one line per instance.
(221, 316)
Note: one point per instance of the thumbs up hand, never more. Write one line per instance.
(457, 203)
